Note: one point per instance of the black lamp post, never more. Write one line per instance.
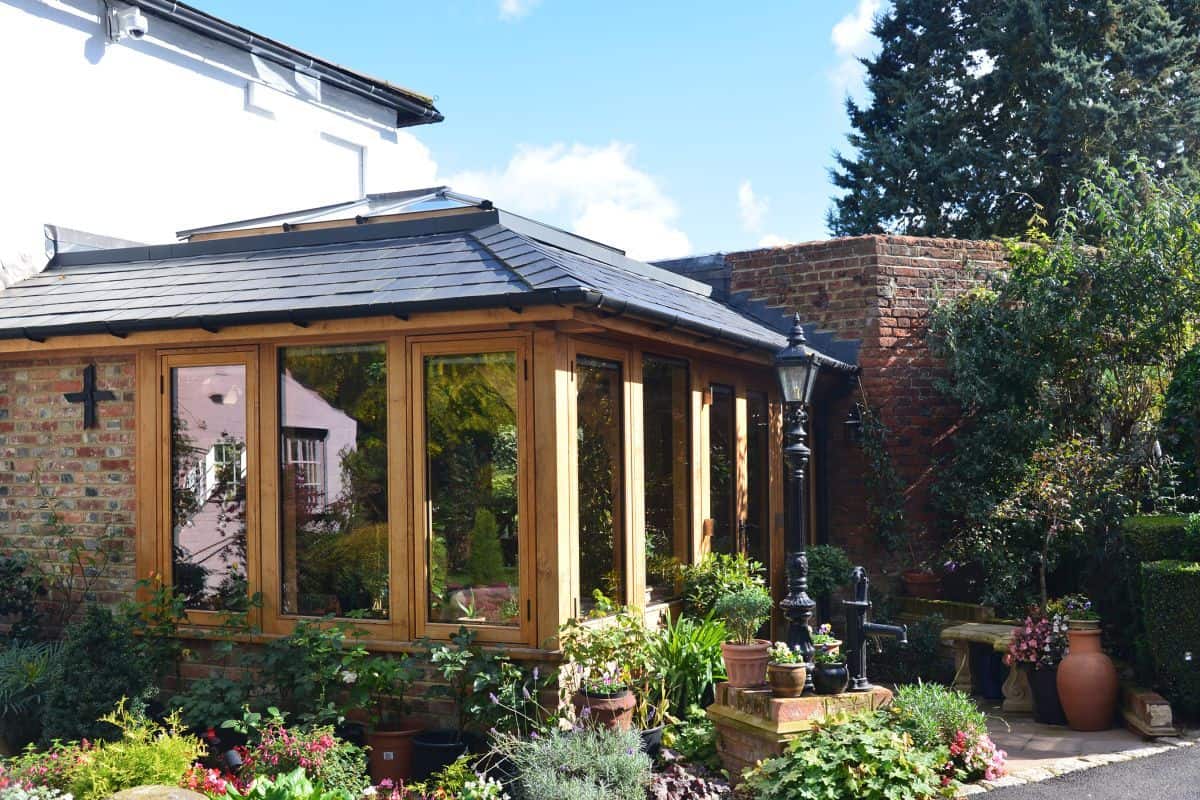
(797, 368)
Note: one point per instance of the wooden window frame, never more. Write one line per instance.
(248, 359)
(418, 348)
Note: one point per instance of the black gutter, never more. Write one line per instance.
(418, 113)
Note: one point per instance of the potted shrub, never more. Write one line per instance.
(459, 664)
(785, 670)
(605, 698)
(384, 681)
(830, 675)
(1037, 648)
(744, 612)
(824, 639)
(1087, 679)
(611, 660)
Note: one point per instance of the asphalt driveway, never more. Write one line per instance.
(1174, 775)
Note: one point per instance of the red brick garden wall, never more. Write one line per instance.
(86, 475)
(878, 290)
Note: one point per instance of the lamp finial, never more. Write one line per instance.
(796, 336)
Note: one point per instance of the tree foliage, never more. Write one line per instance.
(1077, 342)
(983, 113)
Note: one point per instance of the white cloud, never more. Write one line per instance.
(852, 40)
(515, 9)
(596, 192)
(751, 207)
(771, 240)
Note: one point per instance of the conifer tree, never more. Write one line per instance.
(985, 112)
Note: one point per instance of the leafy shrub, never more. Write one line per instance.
(919, 660)
(1171, 595)
(828, 763)
(939, 717)
(695, 738)
(1162, 537)
(473, 679)
(589, 764)
(1181, 418)
(485, 564)
(828, 569)
(744, 612)
(50, 767)
(20, 589)
(294, 785)
(101, 664)
(305, 670)
(336, 764)
(27, 672)
(686, 654)
(715, 576)
(146, 753)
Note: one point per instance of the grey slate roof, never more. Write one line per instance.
(477, 259)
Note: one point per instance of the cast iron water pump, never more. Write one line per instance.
(858, 629)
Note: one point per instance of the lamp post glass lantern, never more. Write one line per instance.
(797, 368)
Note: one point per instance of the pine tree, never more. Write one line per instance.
(985, 112)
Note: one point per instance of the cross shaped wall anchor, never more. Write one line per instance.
(89, 396)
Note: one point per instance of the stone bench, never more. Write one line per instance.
(996, 635)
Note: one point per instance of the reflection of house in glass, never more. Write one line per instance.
(312, 431)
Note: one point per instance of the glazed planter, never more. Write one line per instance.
(613, 711)
(746, 664)
(830, 678)
(434, 750)
(1043, 685)
(391, 754)
(1087, 681)
(787, 680)
(919, 583)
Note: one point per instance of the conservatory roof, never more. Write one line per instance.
(451, 254)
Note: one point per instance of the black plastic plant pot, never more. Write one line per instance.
(435, 750)
(353, 732)
(652, 741)
(1047, 708)
(830, 678)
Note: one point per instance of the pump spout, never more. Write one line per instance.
(899, 632)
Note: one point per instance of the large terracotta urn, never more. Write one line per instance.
(1087, 681)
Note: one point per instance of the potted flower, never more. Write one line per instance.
(384, 681)
(1037, 647)
(785, 670)
(1087, 679)
(830, 675)
(744, 612)
(824, 639)
(605, 698)
(610, 659)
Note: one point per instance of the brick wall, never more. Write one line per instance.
(87, 475)
(878, 290)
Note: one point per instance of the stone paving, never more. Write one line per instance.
(1038, 752)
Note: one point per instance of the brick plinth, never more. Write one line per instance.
(753, 725)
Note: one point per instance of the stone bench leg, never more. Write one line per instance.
(962, 667)
(1017, 694)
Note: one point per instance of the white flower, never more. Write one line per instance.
(370, 791)
(349, 677)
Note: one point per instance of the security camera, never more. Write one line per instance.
(126, 21)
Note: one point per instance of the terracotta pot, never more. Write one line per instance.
(919, 583)
(612, 711)
(830, 678)
(787, 680)
(1083, 624)
(833, 647)
(746, 664)
(1087, 683)
(390, 754)
(1043, 685)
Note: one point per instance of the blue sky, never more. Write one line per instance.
(665, 128)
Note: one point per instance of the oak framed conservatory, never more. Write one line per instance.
(425, 412)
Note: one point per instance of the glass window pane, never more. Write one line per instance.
(600, 479)
(758, 498)
(333, 480)
(208, 485)
(667, 466)
(471, 447)
(721, 477)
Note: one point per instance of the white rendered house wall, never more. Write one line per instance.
(143, 137)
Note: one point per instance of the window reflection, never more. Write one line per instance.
(667, 467)
(600, 479)
(333, 480)
(471, 450)
(208, 496)
(721, 476)
(758, 498)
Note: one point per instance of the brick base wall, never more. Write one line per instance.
(87, 476)
(878, 290)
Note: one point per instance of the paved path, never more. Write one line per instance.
(1174, 775)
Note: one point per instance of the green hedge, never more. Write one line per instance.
(1171, 614)
(1162, 537)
